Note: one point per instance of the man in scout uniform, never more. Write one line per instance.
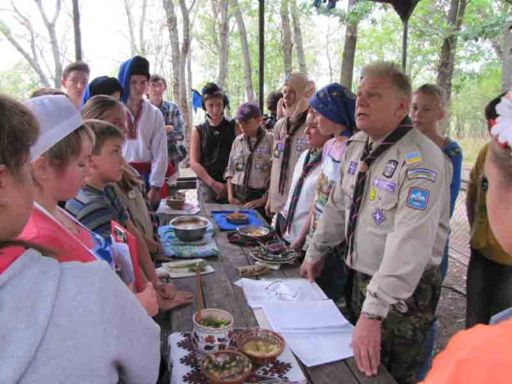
(393, 201)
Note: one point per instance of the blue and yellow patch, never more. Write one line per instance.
(418, 198)
(413, 157)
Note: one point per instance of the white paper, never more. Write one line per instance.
(315, 346)
(321, 348)
(258, 292)
(296, 316)
(188, 209)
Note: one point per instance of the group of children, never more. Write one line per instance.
(75, 166)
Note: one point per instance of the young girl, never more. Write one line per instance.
(210, 145)
(55, 324)
(289, 139)
(250, 160)
(63, 149)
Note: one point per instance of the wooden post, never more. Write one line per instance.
(76, 27)
(261, 95)
(404, 44)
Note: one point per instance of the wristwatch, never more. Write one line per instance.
(371, 316)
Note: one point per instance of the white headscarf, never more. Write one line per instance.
(304, 89)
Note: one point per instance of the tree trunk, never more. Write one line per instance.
(185, 49)
(349, 49)
(297, 37)
(223, 43)
(506, 68)
(249, 91)
(449, 47)
(286, 38)
(76, 30)
(131, 29)
(50, 26)
(142, 25)
(172, 26)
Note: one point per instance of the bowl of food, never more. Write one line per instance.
(261, 345)
(189, 228)
(226, 367)
(254, 231)
(237, 218)
(213, 330)
(176, 202)
(276, 247)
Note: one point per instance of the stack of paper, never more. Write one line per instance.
(312, 325)
(316, 331)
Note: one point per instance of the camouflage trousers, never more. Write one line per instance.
(405, 329)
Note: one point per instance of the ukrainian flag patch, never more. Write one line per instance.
(413, 157)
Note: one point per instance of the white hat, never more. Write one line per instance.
(57, 118)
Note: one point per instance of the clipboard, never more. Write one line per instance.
(121, 235)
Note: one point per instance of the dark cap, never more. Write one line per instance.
(247, 111)
(104, 85)
(139, 66)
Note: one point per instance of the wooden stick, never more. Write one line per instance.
(199, 298)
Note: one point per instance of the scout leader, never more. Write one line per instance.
(250, 160)
(393, 200)
(289, 139)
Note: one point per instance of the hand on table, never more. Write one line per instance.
(148, 299)
(311, 269)
(366, 341)
(234, 201)
(169, 297)
(255, 203)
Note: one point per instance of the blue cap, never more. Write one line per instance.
(337, 104)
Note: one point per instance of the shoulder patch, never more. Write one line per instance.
(418, 198)
(413, 157)
(421, 173)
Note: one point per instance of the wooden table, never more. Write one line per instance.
(219, 292)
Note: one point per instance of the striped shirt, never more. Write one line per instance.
(95, 209)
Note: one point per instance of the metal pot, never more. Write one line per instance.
(189, 228)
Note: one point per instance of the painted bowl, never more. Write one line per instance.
(214, 331)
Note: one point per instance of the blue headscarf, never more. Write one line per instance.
(337, 104)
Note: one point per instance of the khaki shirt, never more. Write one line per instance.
(403, 220)
(299, 144)
(261, 162)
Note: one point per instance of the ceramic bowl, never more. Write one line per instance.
(208, 338)
(226, 367)
(237, 218)
(175, 202)
(261, 345)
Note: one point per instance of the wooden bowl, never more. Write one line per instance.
(237, 218)
(271, 345)
(175, 202)
(214, 361)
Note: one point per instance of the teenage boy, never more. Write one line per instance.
(97, 204)
(146, 145)
(173, 121)
(74, 80)
(250, 160)
(428, 109)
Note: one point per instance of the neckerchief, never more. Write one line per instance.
(291, 130)
(313, 159)
(248, 163)
(132, 123)
(367, 158)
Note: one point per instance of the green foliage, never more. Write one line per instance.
(19, 81)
